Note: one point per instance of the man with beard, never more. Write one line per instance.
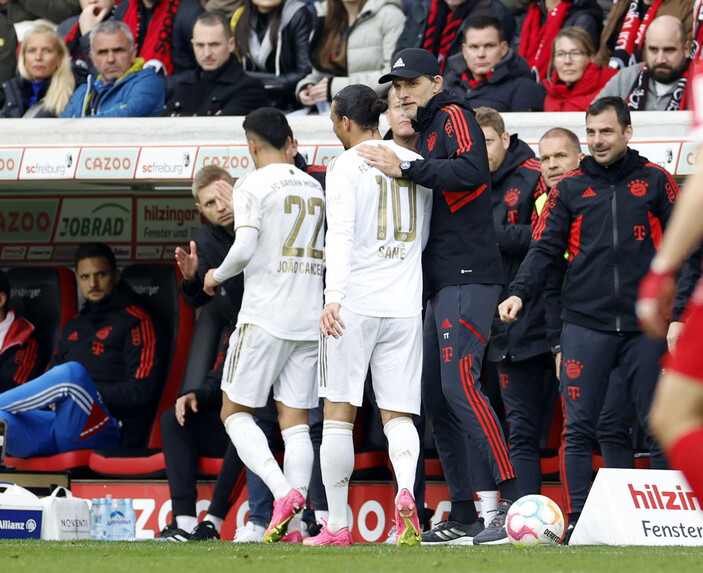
(660, 83)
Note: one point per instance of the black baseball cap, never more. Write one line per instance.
(412, 63)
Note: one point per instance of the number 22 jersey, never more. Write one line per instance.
(283, 280)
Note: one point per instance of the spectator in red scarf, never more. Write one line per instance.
(161, 29)
(660, 83)
(436, 25)
(488, 73)
(575, 78)
(628, 20)
(543, 21)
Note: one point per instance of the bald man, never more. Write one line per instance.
(658, 83)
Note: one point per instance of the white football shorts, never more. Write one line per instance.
(391, 347)
(257, 360)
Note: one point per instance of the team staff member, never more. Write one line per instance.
(520, 352)
(105, 374)
(608, 214)
(18, 347)
(463, 274)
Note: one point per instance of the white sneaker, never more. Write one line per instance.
(250, 533)
(390, 540)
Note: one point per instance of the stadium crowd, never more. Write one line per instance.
(531, 265)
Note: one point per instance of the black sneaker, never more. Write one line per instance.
(495, 534)
(173, 533)
(3, 440)
(203, 531)
(452, 533)
(569, 532)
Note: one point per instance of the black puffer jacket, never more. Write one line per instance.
(224, 91)
(290, 61)
(18, 91)
(511, 86)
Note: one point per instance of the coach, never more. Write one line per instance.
(608, 215)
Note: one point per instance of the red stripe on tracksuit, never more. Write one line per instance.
(575, 238)
(146, 361)
(562, 458)
(465, 197)
(655, 230)
(461, 128)
(472, 329)
(30, 357)
(478, 405)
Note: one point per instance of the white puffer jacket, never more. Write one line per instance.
(370, 45)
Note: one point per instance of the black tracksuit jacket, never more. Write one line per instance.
(610, 220)
(462, 247)
(516, 185)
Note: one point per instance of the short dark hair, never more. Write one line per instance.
(213, 19)
(482, 22)
(562, 131)
(360, 104)
(269, 124)
(488, 117)
(5, 288)
(611, 102)
(96, 250)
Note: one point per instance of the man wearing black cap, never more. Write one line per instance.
(463, 273)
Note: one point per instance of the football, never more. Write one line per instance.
(534, 520)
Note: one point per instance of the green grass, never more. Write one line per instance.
(225, 557)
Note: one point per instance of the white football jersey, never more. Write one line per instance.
(377, 227)
(283, 280)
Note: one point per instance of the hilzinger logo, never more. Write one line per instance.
(654, 498)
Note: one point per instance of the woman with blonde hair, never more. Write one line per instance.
(45, 80)
(574, 78)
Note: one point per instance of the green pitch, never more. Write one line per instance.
(226, 557)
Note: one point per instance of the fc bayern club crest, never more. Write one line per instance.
(511, 197)
(638, 187)
(431, 140)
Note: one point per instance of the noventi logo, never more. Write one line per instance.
(654, 498)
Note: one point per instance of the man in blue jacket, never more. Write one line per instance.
(124, 87)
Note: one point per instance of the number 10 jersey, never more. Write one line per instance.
(377, 228)
(283, 280)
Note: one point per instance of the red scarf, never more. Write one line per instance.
(577, 98)
(628, 47)
(466, 76)
(157, 40)
(442, 27)
(536, 39)
(697, 51)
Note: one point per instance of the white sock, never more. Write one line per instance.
(253, 449)
(321, 514)
(489, 504)
(337, 465)
(186, 522)
(403, 450)
(297, 461)
(216, 521)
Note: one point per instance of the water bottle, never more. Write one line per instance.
(95, 519)
(106, 519)
(130, 521)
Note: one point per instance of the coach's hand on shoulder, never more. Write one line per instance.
(188, 262)
(382, 158)
(209, 283)
(508, 309)
(330, 321)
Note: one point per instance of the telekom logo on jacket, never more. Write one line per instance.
(654, 498)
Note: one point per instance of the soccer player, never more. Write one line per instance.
(464, 272)
(377, 227)
(278, 213)
(677, 411)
